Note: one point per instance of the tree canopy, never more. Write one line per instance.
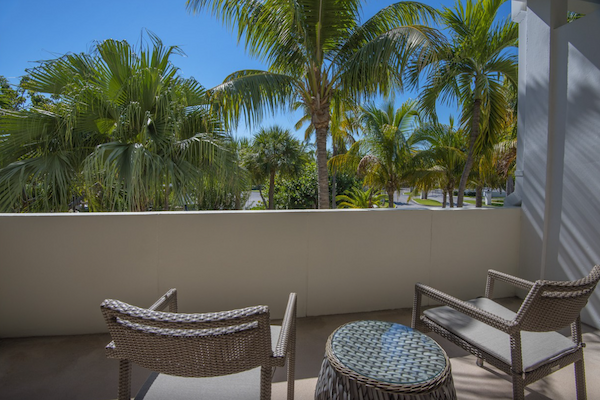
(472, 69)
(383, 155)
(274, 151)
(318, 52)
(119, 129)
(126, 134)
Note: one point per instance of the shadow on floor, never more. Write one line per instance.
(75, 367)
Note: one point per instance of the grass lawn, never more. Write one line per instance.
(427, 202)
(497, 202)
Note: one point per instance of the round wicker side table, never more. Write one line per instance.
(382, 360)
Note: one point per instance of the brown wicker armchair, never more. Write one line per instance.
(525, 344)
(230, 354)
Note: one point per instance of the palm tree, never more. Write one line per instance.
(492, 166)
(506, 149)
(10, 99)
(384, 153)
(497, 156)
(127, 133)
(484, 174)
(471, 69)
(317, 50)
(229, 189)
(506, 158)
(274, 150)
(344, 127)
(358, 198)
(443, 157)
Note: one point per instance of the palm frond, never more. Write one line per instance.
(252, 94)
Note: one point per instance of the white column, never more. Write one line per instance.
(557, 115)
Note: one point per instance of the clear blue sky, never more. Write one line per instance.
(40, 29)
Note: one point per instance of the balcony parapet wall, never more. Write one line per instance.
(57, 268)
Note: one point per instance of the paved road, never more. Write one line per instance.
(253, 199)
(400, 199)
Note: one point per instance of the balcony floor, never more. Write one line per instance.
(74, 367)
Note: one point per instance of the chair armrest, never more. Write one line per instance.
(504, 277)
(287, 335)
(168, 299)
(464, 307)
(286, 345)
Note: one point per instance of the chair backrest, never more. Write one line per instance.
(190, 345)
(553, 305)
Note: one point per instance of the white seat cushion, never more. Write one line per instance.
(538, 348)
(244, 386)
(241, 386)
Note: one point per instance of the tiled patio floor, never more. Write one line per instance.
(75, 367)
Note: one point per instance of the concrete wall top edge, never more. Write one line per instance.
(212, 212)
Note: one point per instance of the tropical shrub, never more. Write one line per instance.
(359, 198)
(299, 192)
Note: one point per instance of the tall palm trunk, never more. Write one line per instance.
(272, 190)
(390, 194)
(334, 181)
(451, 197)
(262, 197)
(479, 196)
(238, 201)
(470, 156)
(320, 120)
(444, 193)
(323, 188)
(333, 190)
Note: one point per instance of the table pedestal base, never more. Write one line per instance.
(333, 385)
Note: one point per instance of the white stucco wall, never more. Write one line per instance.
(579, 235)
(559, 144)
(533, 132)
(57, 268)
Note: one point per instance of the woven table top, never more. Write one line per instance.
(388, 352)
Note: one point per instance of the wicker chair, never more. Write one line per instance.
(230, 354)
(525, 344)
